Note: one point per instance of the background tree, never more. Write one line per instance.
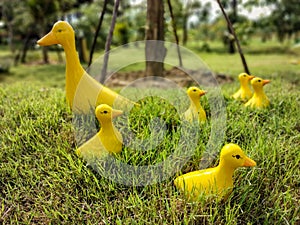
(31, 19)
(285, 18)
(42, 12)
(88, 19)
(8, 11)
(233, 17)
(203, 26)
(135, 16)
(264, 28)
(109, 40)
(189, 8)
(155, 50)
(232, 31)
(174, 28)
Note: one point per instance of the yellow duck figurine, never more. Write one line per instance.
(80, 86)
(195, 111)
(215, 181)
(244, 93)
(107, 140)
(259, 99)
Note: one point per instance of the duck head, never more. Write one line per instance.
(244, 78)
(195, 93)
(258, 83)
(61, 33)
(105, 113)
(232, 156)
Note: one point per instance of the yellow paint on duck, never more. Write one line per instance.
(80, 86)
(244, 93)
(195, 110)
(214, 181)
(107, 140)
(259, 99)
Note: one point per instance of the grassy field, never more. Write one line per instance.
(44, 182)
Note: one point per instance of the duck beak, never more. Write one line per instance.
(266, 82)
(249, 162)
(251, 77)
(116, 113)
(203, 93)
(48, 39)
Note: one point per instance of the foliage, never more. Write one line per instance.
(244, 30)
(284, 17)
(87, 21)
(136, 19)
(28, 20)
(184, 10)
(13, 15)
(41, 9)
(121, 33)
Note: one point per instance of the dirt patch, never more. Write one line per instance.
(180, 77)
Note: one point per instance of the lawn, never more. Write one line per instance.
(44, 182)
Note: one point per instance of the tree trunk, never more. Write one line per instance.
(233, 19)
(175, 32)
(235, 38)
(184, 29)
(11, 37)
(230, 41)
(44, 49)
(45, 55)
(25, 48)
(82, 47)
(109, 40)
(97, 32)
(155, 50)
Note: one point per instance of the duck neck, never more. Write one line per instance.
(226, 169)
(106, 126)
(245, 86)
(259, 92)
(74, 70)
(195, 103)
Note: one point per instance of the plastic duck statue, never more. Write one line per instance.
(259, 99)
(215, 181)
(195, 111)
(80, 86)
(107, 140)
(244, 93)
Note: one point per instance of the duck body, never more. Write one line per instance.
(92, 149)
(80, 86)
(244, 93)
(214, 181)
(109, 136)
(195, 110)
(259, 99)
(107, 140)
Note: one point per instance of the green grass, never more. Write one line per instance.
(44, 182)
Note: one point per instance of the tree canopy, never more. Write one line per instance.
(29, 19)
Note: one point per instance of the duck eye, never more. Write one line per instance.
(194, 90)
(60, 30)
(244, 75)
(259, 80)
(236, 156)
(105, 112)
